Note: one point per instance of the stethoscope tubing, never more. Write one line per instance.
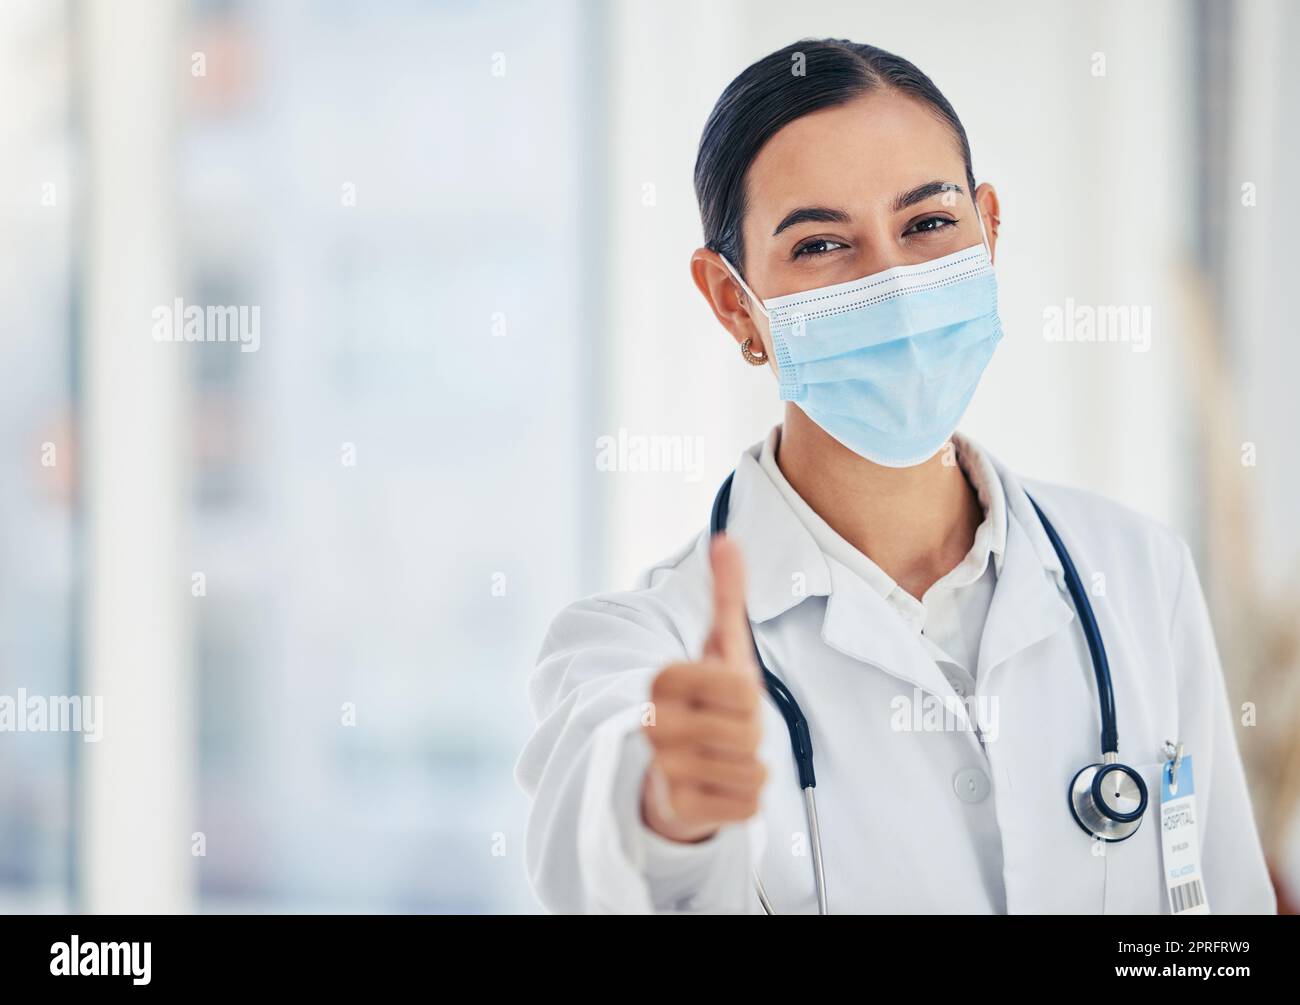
(1091, 632)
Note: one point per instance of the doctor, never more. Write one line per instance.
(876, 688)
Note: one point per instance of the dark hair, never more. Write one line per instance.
(768, 95)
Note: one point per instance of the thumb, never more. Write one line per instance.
(729, 638)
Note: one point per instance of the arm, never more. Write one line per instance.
(587, 847)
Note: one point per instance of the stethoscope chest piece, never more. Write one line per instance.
(1108, 800)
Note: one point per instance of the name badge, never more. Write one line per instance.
(1178, 835)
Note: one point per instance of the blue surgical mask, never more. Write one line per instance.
(887, 364)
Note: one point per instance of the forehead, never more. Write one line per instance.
(855, 156)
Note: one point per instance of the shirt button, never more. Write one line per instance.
(971, 785)
(959, 689)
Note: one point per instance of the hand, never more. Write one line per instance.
(708, 721)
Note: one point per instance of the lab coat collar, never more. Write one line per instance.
(783, 564)
(1029, 602)
(1021, 511)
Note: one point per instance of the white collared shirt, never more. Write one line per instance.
(949, 619)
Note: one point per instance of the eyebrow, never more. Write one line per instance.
(923, 192)
(812, 214)
(824, 214)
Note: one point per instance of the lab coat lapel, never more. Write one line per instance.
(1029, 603)
(860, 623)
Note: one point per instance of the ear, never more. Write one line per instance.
(986, 200)
(730, 305)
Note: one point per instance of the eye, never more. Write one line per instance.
(930, 224)
(817, 246)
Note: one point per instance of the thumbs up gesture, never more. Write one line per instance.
(707, 722)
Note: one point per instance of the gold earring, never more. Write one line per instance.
(748, 353)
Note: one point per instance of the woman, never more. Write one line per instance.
(902, 584)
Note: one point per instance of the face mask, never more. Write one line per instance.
(887, 364)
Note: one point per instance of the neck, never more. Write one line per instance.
(915, 523)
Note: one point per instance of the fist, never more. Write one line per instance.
(708, 721)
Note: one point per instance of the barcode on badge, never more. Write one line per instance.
(1187, 896)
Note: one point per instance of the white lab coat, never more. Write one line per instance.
(921, 821)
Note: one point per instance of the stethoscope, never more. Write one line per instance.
(1107, 799)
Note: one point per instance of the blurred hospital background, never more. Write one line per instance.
(309, 581)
